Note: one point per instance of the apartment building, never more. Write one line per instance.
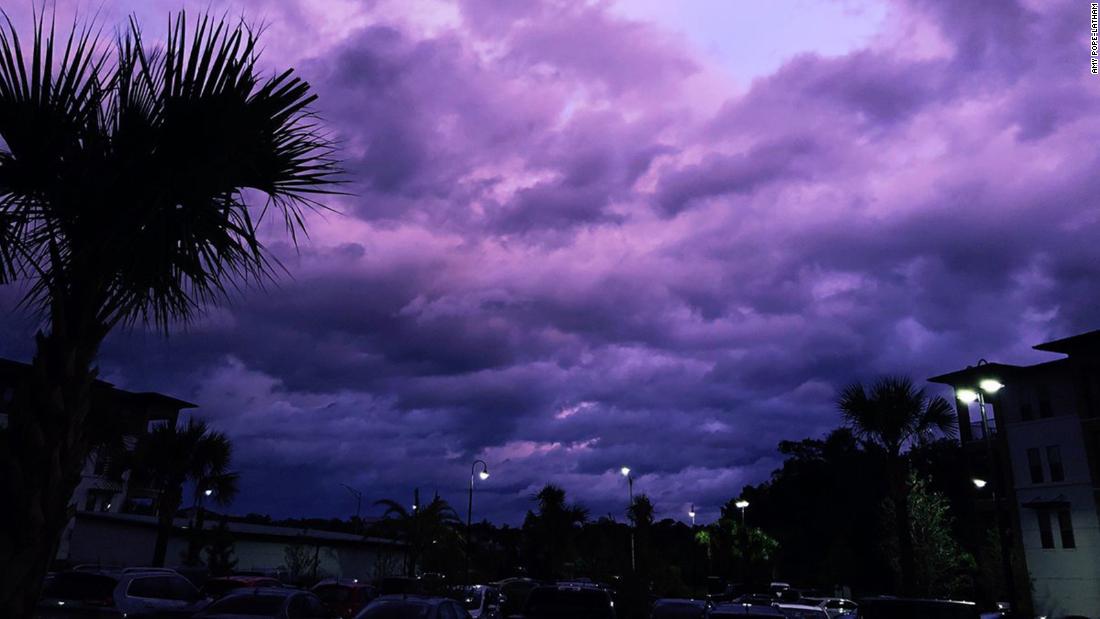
(134, 413)
(1043, 457)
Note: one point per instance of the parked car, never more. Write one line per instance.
(759, 599)
(219, 587)
(344, 598)
(905, 608)
(678, 608)
(741, 609)
(802, 611)
(569, 601)
(124, 593)
(413, 607)
(481, 601)
(267, 603)
(515, 592)
(834, 607)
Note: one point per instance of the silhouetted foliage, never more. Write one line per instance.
(170, 456)
(891, 416)
(429, 531)
(125, 176)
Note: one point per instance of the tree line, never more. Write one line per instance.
(881, 504)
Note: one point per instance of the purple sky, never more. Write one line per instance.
(588, 235)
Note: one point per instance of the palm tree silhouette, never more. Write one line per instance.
(420, 527)
(128, 177)
(170, 457)
(889, 417)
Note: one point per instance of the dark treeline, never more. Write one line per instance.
(824, 520)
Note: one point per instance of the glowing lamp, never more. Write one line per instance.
(966, 396)
(990, 385)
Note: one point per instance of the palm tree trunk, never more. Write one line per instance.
(899, 491)
(170, 500)
(45, 451)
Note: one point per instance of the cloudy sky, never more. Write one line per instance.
(653, 233)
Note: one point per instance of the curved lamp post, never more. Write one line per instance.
(482, 475)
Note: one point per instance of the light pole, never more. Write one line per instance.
(968, 396)
(358, 504)
(484, 474)
(742, 505)
(630, 513)
(691, 514)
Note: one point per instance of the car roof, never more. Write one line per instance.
(798, 606)
(425, 599)
(745, 609)
(264, 591)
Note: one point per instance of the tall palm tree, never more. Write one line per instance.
(890, 417)
(551, 531)
(421, 526)
(128, 177)
(171, 457)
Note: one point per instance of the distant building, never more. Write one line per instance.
(112, 539)
(134, 414)
(1045, 423)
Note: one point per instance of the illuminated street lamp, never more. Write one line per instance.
(482, 475)
(969, 395)
(691, 514)
(741, 505)
(630, 484)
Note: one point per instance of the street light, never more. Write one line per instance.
(208, 491)
(630, 483)
(691, 513)
(482, 475)
(969, 395)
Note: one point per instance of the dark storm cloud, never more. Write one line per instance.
(570, 247)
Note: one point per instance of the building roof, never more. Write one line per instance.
(974, 373)
(247, 530)
(16, 369)
(1087, 343)
(1074, 344)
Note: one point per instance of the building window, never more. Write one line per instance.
(1054, 460)
(1046, 535)
(1045, 409)
(1035, 465)
(1026, 412)
(1065, 525)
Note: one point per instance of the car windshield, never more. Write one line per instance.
(259, 605)
(221, 587)
(568, 602)
(800, 613)
(163, 587)
(333, 594)
(396, 609)
(80, 586)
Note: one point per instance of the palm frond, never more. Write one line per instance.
(125, 185)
